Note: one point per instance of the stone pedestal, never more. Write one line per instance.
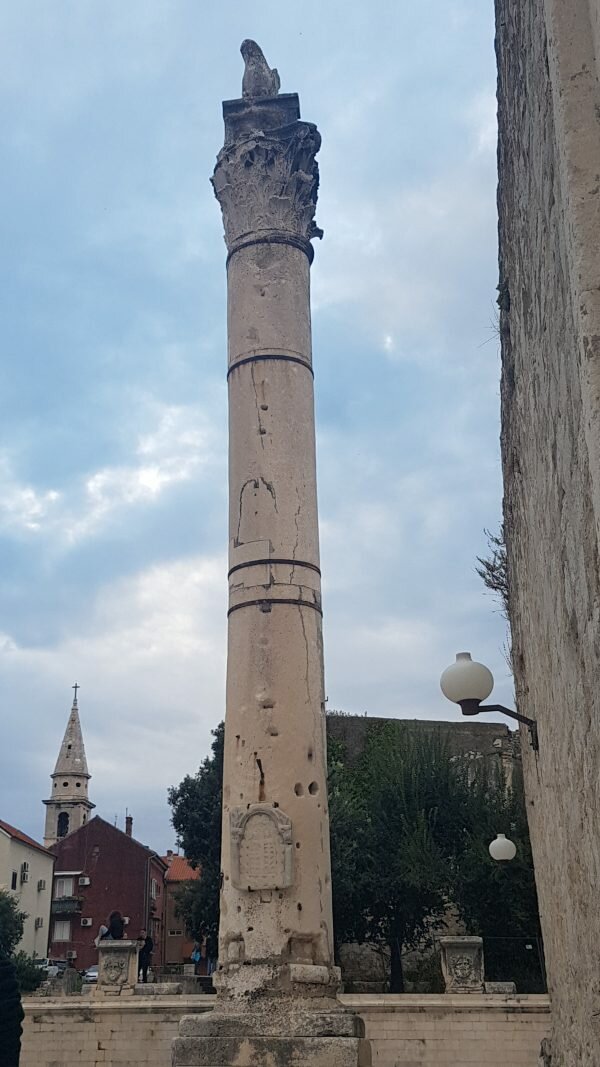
(117, 968)
(462, 964)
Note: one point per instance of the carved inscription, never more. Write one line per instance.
(261, 848)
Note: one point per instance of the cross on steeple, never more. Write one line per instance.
(75, 687)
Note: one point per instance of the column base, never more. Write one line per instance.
(276, 1035)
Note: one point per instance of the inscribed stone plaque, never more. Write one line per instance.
(261, 848)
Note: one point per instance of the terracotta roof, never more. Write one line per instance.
(23, 838)
(179, 869)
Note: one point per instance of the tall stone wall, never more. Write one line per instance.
(406, 1031)
(549, 296)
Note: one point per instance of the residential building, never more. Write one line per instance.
(26, 872)
(100, 869)
(178, 947)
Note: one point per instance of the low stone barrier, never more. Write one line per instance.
(409, 1030)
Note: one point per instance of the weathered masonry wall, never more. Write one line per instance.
(405, 1031)
(549, 223)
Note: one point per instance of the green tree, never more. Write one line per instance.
(499, 900)
(11, 924)
(196, 817)
(29, 975)
(404, 823)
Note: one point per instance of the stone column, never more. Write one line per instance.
(276, 980)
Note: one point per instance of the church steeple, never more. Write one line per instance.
(68, 806)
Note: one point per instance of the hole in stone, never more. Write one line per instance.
(264, 407)
(310, 753)
(313, 789)
(299, 906)
(299, 789)
(250, 929)
(297, 844)
(239, 907)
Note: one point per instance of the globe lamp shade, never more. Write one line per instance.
(502, 848)
(466, 680)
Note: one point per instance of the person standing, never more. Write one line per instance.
(145, 954)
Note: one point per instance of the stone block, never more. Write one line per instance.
(506, 989)
(271, 1052)
(462, 964)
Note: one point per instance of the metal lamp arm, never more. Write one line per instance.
(530, 723)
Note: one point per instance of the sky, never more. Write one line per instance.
(113, 421)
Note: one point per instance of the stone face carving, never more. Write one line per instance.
(261, 848)
(259, 79)
(268, 183)
(114, 971)
(462, 964)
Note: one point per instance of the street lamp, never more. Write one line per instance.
(502, 848)
(468, 683)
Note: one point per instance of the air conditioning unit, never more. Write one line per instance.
(72, 955)
(125, 920)
(41, 884)
(39, 922)
(24, 876)
(86, 922)
(84, 880)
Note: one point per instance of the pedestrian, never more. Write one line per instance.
(145, 954)
(116, 927)
(102, 933)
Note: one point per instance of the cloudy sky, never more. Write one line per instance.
(112, 373)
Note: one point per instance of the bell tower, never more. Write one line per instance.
(68, 807)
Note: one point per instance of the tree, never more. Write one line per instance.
(404, 805)
(29, 975)
(196, 816)
(11, 1010)
(499, 900)
(11, 924)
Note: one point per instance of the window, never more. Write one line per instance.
(63, 887)
(154, 889)
(175, 933)
(62, 827)
(13, 880)
(62, 930)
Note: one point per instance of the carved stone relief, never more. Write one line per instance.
(268, 183)
(462, 964)
(261, 848)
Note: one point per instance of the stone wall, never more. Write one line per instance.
(549, 209)
(405, 1031)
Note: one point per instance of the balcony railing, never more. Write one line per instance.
(65, 905)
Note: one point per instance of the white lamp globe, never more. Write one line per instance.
(466, 680)
(502, 848)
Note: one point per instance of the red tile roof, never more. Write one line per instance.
(179, 869)
(23, 838)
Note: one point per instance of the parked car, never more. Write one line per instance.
(91, 975)
(51, 968)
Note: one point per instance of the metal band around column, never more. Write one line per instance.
(265, 604)
(284, 359)
(283, 562)
(295, 240)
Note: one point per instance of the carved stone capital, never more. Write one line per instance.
(266, 179)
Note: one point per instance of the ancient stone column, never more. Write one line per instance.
(276, 978)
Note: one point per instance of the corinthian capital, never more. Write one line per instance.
(266, 177)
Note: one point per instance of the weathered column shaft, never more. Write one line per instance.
(276, 895)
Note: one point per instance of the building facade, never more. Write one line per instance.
(178, 947)
(100, 869)
(26, 872)
(549, 224)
